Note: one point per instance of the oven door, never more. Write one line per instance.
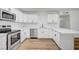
(13, 41)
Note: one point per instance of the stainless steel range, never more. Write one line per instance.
(10, 39)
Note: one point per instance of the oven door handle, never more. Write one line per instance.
(13, 38)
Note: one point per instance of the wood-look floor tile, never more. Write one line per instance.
(38, 44)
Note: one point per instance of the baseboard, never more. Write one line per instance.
(33, 38)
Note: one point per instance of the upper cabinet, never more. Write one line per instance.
(30, 18)
(53, 19)
(25, 18)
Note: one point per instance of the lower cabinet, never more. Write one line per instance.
(3, 41)
(56, 37)
(63, 40)
(44, 33)
(23, 35)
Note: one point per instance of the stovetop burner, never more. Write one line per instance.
(5, 30)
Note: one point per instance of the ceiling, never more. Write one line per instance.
(26, 10)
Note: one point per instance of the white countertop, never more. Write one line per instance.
(62, 30)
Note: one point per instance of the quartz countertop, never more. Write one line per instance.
(63, 30)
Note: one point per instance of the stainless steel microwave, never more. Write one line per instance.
(6, 15)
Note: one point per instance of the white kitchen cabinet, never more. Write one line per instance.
(54, 19)
(56, 37)
(44, 33)
(64, 38)
(21, 17)
(30, 18)
(26, 18)
(41, 33)
(25, 34)
(64, 41)
(3, 41)
(49, 33)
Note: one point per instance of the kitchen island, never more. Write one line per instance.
(65, 38)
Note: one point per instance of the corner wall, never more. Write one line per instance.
(74, 20)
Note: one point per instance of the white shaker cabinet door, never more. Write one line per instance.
(30, 18)
(3, 38)
(54, 19)
(57, 37)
